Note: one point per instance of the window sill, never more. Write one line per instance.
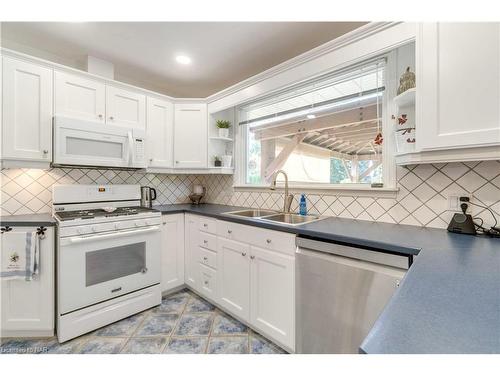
(357, 190)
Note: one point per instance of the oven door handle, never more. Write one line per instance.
(110, 235)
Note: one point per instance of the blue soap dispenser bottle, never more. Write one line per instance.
(303, 205)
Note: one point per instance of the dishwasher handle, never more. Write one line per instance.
(373, 256)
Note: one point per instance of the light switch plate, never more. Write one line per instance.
(453, 201)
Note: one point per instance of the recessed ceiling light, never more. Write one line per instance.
(311, 116)
(183, 59)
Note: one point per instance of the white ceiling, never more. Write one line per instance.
(144, 52)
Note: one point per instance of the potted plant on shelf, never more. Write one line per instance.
(223, 126)
(217, 161)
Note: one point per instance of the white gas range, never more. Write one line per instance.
(108, 256)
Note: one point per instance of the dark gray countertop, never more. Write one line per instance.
(28, 220)
(449, 301)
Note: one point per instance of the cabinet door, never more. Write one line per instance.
(160, 129)
(79, 97)
(458, 85)
(233, 276)
(172, 256)
(28, 306)
(272, 294)
(125, 108)
(27, 111)
(208, 282)
(190, 136)
(191, 273)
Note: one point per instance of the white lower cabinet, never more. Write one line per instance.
(28, 306)
(208, 282)
(191, 268)
(234, 276)
(272, 296)
(245, 270)
(172, 255)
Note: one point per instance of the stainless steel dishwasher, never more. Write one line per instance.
(340, 292)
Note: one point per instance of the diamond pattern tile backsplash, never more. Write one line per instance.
(421, 200)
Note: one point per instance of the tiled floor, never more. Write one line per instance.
(183, 324)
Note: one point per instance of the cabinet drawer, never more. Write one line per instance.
(208, 225)
(263, 238)
(272, 240)
(208, 241)
(233, 231)
(207, 257)
(208, 281)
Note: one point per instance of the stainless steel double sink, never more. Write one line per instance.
(275, 216)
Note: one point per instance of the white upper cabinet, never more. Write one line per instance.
(190, 135)
(233, 276)
(458, 85)
(172, 254)
(160, 130)
(125, 108)
(79, 97)
(272, 298)
(27, 112)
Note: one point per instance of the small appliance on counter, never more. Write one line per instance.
(148, 195)
(198, 194)
(462, 222)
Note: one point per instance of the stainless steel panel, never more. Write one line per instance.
(398, 261)
(338, 300)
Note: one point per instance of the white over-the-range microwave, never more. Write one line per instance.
(85, 143)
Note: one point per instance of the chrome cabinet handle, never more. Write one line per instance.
(244, 254)
(111, 118)
(229, 231)
(205, 258)
(45, 152)
(252, 256)
(144, 270)
(206, 282)
(205, 225)
(205, 242)
(177, 162)
(100, 115)
(268, 240)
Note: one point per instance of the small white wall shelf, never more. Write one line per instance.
(220, 146)
(406, 98)
(222, 139)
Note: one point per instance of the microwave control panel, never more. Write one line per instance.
(139, 149)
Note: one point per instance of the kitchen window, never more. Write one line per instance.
(323, 133)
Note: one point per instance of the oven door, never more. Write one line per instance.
(78, 142)
(95, 268)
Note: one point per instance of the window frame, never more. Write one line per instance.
(359, 189)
